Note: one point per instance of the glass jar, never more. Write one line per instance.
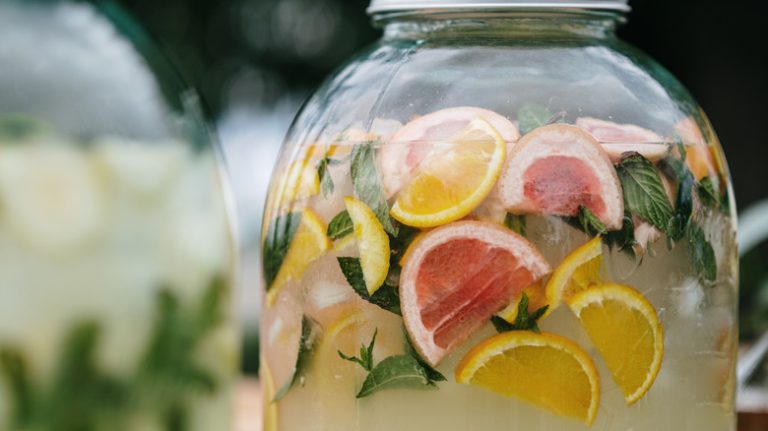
(500, 216)
(114, 241)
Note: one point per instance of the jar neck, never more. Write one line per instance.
(534, 25)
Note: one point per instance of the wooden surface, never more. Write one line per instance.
(753, 417)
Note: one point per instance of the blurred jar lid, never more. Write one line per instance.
(410, 5)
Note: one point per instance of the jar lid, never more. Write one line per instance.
(409, 5)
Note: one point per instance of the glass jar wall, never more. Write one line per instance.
(116, 253)
(500, 219)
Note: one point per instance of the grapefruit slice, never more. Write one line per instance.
(405, 151)
(699, 157)
(455, 277)
(618, 139)
(555, 169)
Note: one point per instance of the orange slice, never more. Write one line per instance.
(555, 169)
(624, 327)
(455, 277)
(577, 272)
(400, 159)
(455, 180)
(544, 369)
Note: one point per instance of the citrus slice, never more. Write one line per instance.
(555, 169)
(268, 406)
(451, 184)
(577, 272)
(544, 369)
(624, 327)
(699, 155)
(618, 139)
(308, 243)
(302, 181)
(537, 298)
(455, 277)
(401, 157)
(372, 243)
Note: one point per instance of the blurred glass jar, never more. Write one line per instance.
(116, 251)
(485, 155)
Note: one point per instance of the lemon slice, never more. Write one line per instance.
(536, 299)
(623, 325)
(302, 181)
(308, 243)
(576, 272)
(372, 243)
(455, 180)
(269, 407)
(544, 369)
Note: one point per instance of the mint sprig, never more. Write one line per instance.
(523, 321)
(394, 372)
(515, 222)
(707, 193)
(624, 238)
(533, 115)
(644, 193)
(278, 239)
(590, 223)
(367, 185)
(306, 343)
(340, 226)
(702, 253)
(385, 297)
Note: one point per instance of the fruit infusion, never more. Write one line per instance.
(525, 272)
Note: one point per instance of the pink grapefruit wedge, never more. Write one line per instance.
(618, 139)
(455, 277)
(404, 152)
(555, 169)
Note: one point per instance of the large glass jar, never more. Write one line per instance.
(500, 216)
(114, 241)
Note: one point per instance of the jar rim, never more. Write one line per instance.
(386, 6)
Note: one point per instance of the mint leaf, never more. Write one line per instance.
(515, 223)
(643, 191)
(366, 354)
(624, 238)
(531, 116)
(386, 297)
(432, 374)
(305, 348)
(367, 185)
(590, 223)
(326, 182)
(702, 253)
(395, 372)
(278, 239)
(707, 193)
(340, 226)
(676, 168)
(523, 322)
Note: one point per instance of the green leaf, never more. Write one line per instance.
(15, 372)
(385, 297)
(366, 354)
(624, 238)
(432, 374)
(531, 116)
(590, 223)
(340, 226)
(395, 372)
(17, 127)
(367, 185)
(326, 182)
(515, 223)
(707, 193)
(644, 193)
(702, 253)
(276, 244)
(306, 344)
(523, 321)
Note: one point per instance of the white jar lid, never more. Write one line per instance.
(409, 5)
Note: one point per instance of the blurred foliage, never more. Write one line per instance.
(255, 52)
(753, 293)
